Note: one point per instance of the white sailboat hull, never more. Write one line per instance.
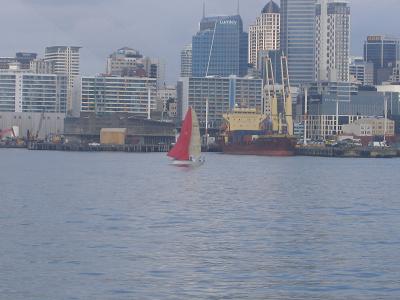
(188, 163)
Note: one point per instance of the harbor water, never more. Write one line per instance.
(121, 226)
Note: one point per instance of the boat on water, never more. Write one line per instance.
(187, 150)
(262, 145)
(245, 134)
(270, 133)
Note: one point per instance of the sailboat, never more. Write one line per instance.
(187, 150)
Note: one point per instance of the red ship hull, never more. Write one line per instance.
(264, 146)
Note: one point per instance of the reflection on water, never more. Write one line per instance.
(130, 226)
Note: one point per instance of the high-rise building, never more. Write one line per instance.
(164, 96)
(298, 39)
(361, 72)
(332, 40)
(222, 94)
(107, 94)
(41, 66)
(128, 62)
(21, 59)
(25, 59)
(25, 92)
(6, 61)
(265, 33)
(186, 61)
(220, 48)
(66, 62)
(383, 52)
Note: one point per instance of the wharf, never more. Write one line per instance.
(13, 146)
(98, 148)
(355, 152)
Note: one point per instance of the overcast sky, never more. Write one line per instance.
(157, 28)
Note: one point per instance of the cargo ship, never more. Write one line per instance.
(264, 145)
(246, 133)
(249, 132)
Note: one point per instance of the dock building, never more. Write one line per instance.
(332, 105)
(138, 131)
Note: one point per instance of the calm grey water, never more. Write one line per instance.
(129, 226)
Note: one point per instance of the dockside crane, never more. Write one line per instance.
(33, 137)
(40, 125)
(271, 95)
(287, 96)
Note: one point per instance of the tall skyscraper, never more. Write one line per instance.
(298, 39)
(383, 52)
(220, 48)
(332, 40)
(265, 33)
(186, 61)
(66, 62)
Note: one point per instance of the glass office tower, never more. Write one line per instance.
(220, 47)
(298, 39)
(383, 52)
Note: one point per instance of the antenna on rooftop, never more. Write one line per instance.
(238, 7)
(204, 9)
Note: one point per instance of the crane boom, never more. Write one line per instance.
(287, 96)
(271, 96)
(40, 125)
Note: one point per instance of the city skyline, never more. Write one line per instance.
(69, 23)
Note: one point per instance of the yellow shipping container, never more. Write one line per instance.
(113, 136)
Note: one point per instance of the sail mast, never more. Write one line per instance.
(181, 149)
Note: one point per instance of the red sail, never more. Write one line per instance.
(181, 149)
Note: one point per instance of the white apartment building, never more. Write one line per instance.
(332, 40)
(265, 33)
(361, 72)
(370, 127)
(163, 95)
(124, 62)
(66, 61)
(107, 94)
(186, 61)
(41, 66)
(27, 92)
(128, 62)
